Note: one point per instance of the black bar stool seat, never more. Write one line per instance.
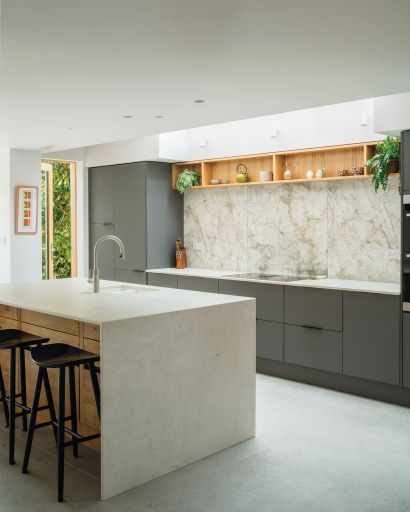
(13, 340)
(61, 356)
(57, 355)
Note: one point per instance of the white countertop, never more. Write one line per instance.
(74, 299)
(331, 284)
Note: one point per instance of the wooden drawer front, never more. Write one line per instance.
(89, 421)
(164, 280)
(315, 348)
(91, 331)
(269, 297)
(130, 276)
(32, 369)
(313, 307)
(8, 323)
(371, 337)
(198, 284)
(8, 311)
(50, 322)
(269, 340)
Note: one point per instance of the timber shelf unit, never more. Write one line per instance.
(298, 161)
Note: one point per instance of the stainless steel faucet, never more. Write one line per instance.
(96, 270)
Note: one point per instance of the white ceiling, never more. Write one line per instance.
(85, 63)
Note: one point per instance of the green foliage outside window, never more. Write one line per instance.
(61, 221)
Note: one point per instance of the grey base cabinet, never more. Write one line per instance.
(164, 280)
(371, 336)
(269, 297)
(130, 276)
(315, 348)
(269, 340)
(198, 284)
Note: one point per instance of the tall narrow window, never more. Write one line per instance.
(59, 240)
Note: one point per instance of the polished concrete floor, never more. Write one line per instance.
(315, 450)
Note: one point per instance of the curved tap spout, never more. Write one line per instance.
(96, 270)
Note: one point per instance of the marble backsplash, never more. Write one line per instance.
(340, 229)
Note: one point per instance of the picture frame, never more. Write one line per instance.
(26, 210)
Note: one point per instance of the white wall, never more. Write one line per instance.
(323, 126)
(5, 215)
(25, 260)
(392, 113)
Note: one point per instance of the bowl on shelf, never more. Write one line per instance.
(215, 182)
(357, 171)
(224, 182)
(342, 172)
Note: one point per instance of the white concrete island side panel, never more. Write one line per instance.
(176, 388)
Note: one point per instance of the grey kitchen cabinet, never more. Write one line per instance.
(269, 340)
(405, 161)
(164, 280)
(199, 284)
(101, 198)
(137, 200)
(313, 307)
(406, 350)
(371, 336)
(130, 215)
(106, 252)
(269, 297)
(130, 276)
(313, 347)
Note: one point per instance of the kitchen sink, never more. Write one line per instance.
(124, 289)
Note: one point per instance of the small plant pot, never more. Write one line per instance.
(394, 166)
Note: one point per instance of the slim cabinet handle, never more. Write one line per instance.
(107, 223)
(312, 327)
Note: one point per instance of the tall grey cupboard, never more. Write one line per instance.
(135, 202)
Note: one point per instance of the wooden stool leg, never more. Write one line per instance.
(73, 405)
(60, 433)
(50, 403)
(12, 405)
(3, 398)
(96, 386)
(23, 387)
(33, 417)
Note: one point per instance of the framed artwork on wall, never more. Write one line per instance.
(26, 210)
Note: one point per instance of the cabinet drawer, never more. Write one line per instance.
(269, 297)
(313, 307)
(8, 323)
(371, 336)
(199, 284)
(130, 276)
(55, 323)
(315, 348)
(164, 280)
(269, 340)
(91, 331)
(8, 311)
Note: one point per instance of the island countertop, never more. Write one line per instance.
(74, 299)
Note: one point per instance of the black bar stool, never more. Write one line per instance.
(13, 340)
(62, 356)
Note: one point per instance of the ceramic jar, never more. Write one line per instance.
(265, 176)
(288, 174)
(309, 174)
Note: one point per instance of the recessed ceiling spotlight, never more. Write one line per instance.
(159, 116)
(70, 128)
(127, 117)
(199, 101)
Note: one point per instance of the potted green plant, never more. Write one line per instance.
(186, 179)
(385, 161)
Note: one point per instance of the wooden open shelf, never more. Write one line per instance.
(299, 161)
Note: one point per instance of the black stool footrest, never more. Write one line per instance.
(82, 439)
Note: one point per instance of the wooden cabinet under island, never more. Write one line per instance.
(158, 348)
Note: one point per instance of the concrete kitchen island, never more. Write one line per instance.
(177, 368)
